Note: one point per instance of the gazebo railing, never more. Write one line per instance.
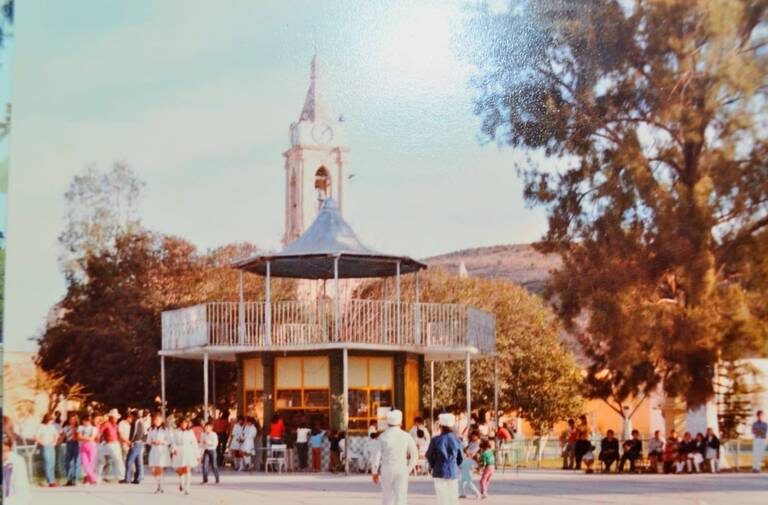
(296, 323)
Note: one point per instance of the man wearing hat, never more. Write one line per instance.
(444, 457)
(393, 462)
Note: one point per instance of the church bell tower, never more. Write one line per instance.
(314, 163)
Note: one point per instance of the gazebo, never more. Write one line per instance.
(341, 361)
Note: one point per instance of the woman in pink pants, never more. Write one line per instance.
(86, 435)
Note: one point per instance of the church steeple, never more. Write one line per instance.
(314, 162)
(315, 108)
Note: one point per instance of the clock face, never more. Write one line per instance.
(322, 133)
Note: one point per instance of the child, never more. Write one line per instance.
(209, 441)
(488, 461)
(159, 456)
(468, 465)
(184, 454)
(316, 444)
(335, 462)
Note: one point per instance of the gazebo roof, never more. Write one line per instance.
(312, 255)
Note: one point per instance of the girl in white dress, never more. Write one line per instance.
(159, 442)
(249, 441)
(185, 454)
(236, 443)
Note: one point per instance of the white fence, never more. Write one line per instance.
(285, 324)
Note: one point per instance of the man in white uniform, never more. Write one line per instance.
(393, 462)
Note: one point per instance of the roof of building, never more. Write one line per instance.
(313, 254)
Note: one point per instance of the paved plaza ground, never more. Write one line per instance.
(526, 487)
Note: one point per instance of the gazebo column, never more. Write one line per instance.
(496, 391)
(336, 300)
(397, 300)
(469, 390)
(162, 385)
(432, 396)
(416, 311)
(268, 308)
(241, 315)
(345, 406)
(213, 387)
(205, 387)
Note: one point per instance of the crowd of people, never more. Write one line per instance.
(675, 454)
(96, 448)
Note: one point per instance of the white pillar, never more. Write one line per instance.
(213, 387)
(345, 407)
(241, 315)
(469, 391)
(162, 386)
(432, 396)
(336, 296)
(268, 308)
(205, 387)
(397, 299)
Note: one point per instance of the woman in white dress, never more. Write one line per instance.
(236, 444)
(185, 454)
(249, 441)
(159, 442)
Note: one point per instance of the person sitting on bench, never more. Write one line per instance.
(633, 450)
(609, 450)
(655, 451)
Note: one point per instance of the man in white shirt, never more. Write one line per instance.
(123, 433)
(394, 461)
(302, 445)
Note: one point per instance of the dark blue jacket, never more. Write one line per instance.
(444, 456)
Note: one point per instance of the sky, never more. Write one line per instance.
(197, 97)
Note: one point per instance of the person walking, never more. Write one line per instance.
(209, 441)
(184, 454)
(394, 461)
(112, 446)
(221, 428)
(87, 435)
(248, 449)
(15, 479)
(302, 443)
(46, 437)
(759, 431)
(137, 438)
(444, 456)
(159, 441)
(71, 449)
(488, 462)
(466, 469)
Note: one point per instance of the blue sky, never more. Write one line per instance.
(197, 97)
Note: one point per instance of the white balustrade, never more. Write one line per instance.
(295, 324)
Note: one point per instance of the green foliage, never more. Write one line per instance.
(537, 374)
(657, 112)
(107, 336)
(734, 403)
(101, 206)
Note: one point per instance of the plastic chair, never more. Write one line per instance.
(276, 458)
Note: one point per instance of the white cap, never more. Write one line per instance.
(447, 420)
(114, 413)
(394, 417)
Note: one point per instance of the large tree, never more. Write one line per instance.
(107, 337)
(654, 113)
(538, 376)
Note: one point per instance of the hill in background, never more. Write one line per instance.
(519, 263)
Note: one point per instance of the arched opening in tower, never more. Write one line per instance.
(322, 185)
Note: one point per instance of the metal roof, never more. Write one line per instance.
(311, 256)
